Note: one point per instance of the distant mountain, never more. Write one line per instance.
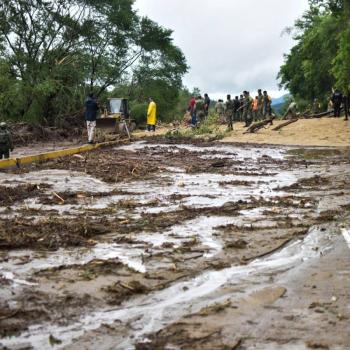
(279, 100)
(278, 103)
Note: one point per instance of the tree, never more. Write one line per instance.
(58, 50)
(320, 59)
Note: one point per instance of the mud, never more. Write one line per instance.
(10, 195)
(166, 245)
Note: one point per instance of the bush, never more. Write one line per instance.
(139, 112)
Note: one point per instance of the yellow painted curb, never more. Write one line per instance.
(13, 162)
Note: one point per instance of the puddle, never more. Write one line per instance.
(11, 277)
(128, 255)
(235, 152)
(201, 228)
(61, 180)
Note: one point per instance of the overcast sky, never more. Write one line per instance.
(230, 45)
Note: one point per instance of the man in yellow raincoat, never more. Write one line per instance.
(151, 116)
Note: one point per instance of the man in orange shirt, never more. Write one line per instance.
(255, 106)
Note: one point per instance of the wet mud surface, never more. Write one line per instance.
(165, 245)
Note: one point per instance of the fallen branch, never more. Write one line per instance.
(319, 115)
(58, 196)
(12, 314)
(285, 124)
(258, 125)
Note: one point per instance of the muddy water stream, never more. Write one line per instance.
(150, 313)
(263, 175)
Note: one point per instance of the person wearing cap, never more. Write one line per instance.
(151, 116)
(5, 141)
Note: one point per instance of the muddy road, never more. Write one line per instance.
(172, 245)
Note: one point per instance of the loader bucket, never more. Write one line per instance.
(107, 124)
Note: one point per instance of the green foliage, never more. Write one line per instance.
(341, 63)
(139, 112)
(55, 52)
(320, 59)
(211, 127)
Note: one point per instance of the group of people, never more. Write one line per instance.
(336, 104)
(243, 108)
(198, 107)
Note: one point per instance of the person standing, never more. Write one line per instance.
(151, 116)
(330, 106)
(337, 100)
(247, 108)
(229, 112)
(241, 106)
(316, 107)
(5, 141)
(260, 110)
(91, 109)
(236, 113)
(291, 111)
(267, 104)
(220, 108)
(346, 101)
(200, 111)
(255, 107)
(206, 105)
(192, 110)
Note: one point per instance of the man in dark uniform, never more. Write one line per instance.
(236, 113)
(229, 112)
(241, 101)
(91, 109)
(5, 141)
(260, 112)
(346, 102)
(206, 105)
(337, 100)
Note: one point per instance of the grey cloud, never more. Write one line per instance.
(230, 45)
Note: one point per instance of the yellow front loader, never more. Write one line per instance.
(116, 118)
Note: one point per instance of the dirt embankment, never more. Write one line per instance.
(305, 132)
(325, 132)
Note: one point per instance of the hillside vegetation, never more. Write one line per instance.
(53, 53)
(320, 60)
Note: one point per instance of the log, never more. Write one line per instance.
(258, 125)
(319, 115)
(285, 124)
